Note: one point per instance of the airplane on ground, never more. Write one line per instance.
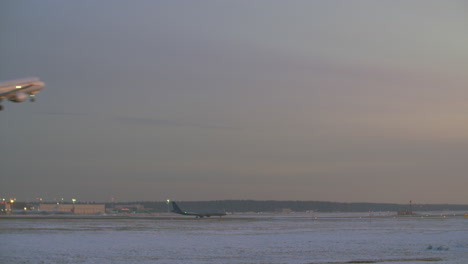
(198, 214)
(19, 90)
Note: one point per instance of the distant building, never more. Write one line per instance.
(407, 211)
(4, 207)
(74, 208)
(127, 208)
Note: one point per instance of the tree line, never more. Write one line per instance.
(295, 206)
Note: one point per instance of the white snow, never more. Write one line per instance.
(291, 239)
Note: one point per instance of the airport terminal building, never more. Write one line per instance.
(74, 208)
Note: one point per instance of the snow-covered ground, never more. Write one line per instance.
(239, 239)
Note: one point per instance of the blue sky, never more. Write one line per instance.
(361, 101)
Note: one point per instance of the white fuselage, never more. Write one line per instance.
(19, 90)
(9, 89)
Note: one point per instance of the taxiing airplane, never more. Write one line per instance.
(198, 214)
(19, 90)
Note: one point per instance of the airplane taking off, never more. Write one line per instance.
(19, 90)
(198, 214)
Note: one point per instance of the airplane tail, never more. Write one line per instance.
(176, 209)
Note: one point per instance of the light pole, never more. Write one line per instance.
(11, 205)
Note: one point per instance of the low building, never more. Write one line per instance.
(73, 208)
(4, 207)
(126, 208)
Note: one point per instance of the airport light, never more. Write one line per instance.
(74, 200)
(167, 203)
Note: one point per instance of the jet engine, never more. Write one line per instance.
(18, 97)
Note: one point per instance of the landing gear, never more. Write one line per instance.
(1, 107)
(32, 98)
